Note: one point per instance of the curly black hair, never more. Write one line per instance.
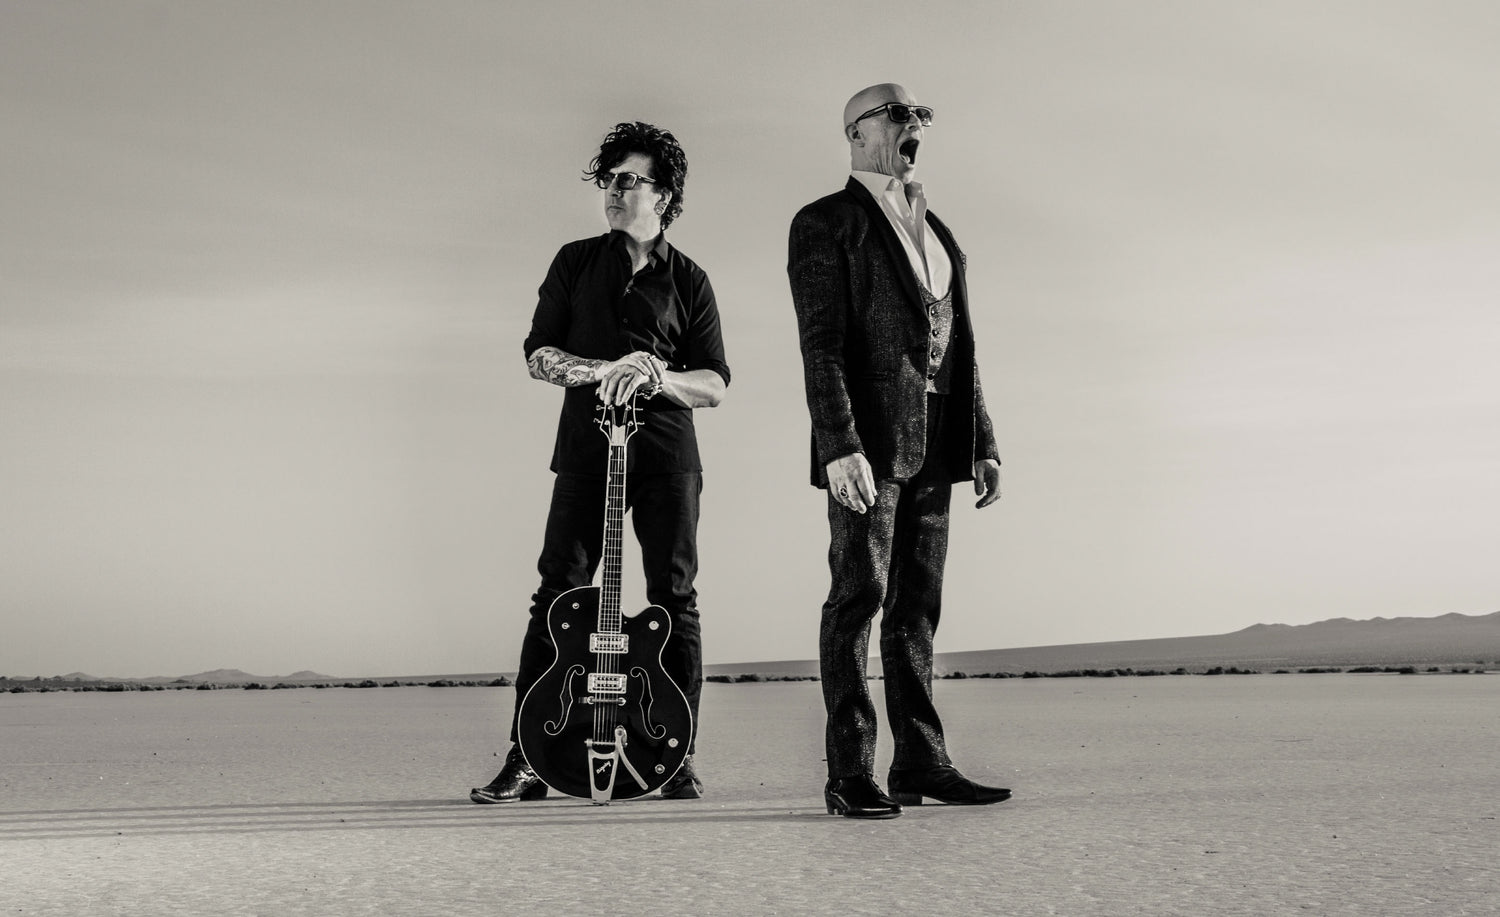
(668, 160)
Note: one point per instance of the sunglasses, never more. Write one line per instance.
(622, 180)
(901, 113)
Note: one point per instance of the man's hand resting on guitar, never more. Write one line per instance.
(620, 379)
(851, 481)
(641, 371)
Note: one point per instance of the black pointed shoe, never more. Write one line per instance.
(859, 797)
(516, 782)
(945, 784)
(684, 784)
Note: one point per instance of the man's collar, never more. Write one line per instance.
(661, 248)
(875, 182)
(879, 184)
(659, 251)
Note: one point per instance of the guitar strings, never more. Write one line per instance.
(609, 612)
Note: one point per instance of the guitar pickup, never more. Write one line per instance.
(601, 683)
(617, 644)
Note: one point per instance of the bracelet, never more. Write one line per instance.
(660, 366)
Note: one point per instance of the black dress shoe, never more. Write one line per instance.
(945, 784)
(684, 784)
(515, 782)
(859, 797)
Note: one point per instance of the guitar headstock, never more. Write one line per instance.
(619, 421)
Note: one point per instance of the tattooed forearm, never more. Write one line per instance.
(552, 365)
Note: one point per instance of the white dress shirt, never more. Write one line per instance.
(905, 206)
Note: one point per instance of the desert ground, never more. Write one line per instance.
(1190, 795)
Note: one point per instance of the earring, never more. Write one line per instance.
(661, 209)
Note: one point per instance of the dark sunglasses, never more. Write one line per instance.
(622, 180)
(901, 113)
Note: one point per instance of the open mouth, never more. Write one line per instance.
(908, 151)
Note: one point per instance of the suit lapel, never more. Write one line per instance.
(960, 286)
(893, 244)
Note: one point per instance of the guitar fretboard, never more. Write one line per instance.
(614, 532)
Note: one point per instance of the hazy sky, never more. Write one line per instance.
(265, 270)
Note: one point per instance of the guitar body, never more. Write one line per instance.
(608, 724)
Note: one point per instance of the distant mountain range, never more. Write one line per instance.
(215, 677)
(235, 677)
(1451, 639)
(1446, 640)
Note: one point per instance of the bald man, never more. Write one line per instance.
(897, 418)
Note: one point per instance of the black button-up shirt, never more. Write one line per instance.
(591, 306)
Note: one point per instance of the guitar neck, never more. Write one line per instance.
(614, 533)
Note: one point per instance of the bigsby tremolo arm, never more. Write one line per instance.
(602, 767)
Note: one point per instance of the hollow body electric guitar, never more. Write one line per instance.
(605, 721)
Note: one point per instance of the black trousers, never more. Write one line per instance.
(664, 512)
(888, 561)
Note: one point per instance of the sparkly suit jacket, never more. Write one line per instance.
(865, 338)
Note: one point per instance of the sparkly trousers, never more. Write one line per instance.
(664, 512)
(888, 561)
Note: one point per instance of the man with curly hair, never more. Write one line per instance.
(898, 417)
(621, 314)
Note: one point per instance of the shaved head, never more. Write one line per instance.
(873, 97)
(876, 143)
